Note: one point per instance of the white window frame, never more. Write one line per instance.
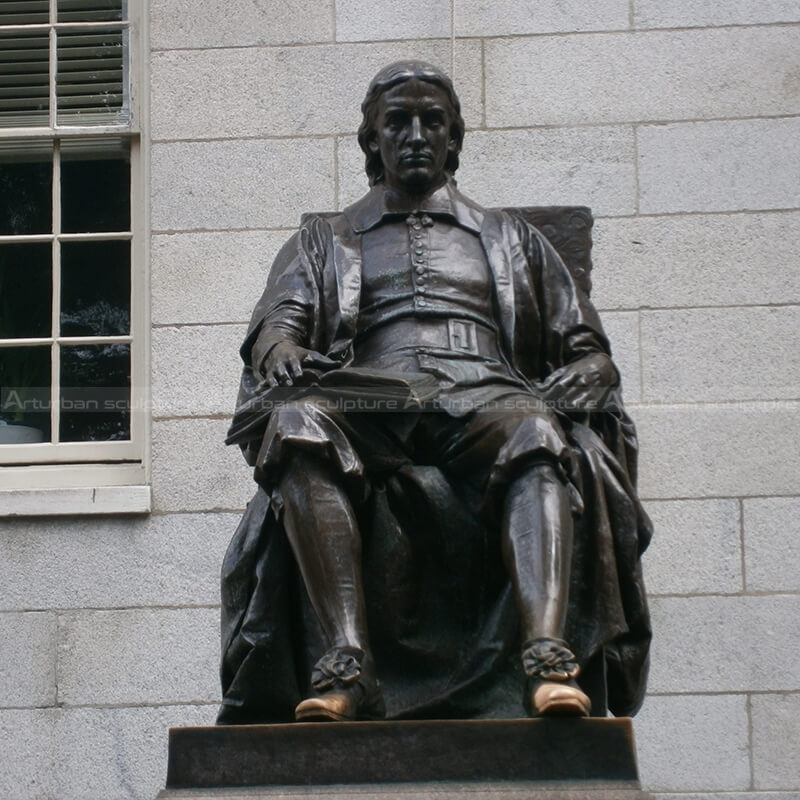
(93, 477)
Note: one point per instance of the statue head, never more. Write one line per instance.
(387, 80)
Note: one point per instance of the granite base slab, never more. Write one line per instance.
(546, 759)
(433, 791)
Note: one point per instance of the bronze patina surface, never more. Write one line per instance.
(446, 523)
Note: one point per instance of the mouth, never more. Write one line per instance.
(416, 159)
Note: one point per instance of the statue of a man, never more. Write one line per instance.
(330, 601)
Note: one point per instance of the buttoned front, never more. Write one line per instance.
(427, 304)
(423, 266)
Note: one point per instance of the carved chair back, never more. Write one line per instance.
(569, 230)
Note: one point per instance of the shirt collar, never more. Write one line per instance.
(372, 209)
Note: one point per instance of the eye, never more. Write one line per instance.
(435, 119)
(394, 120)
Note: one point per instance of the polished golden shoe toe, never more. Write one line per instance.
(552, 699)
(334, 706)
(344, 688)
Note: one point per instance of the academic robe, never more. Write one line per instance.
(442, 621)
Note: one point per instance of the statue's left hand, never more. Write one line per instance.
(581, 382)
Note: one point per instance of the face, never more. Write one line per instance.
(413, 135)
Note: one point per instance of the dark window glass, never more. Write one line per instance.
(24, 394)
(95, 288)
(26, 290)
(95, 187)
(89, 10)
(24, 79)
(26, 188)
(95, 392)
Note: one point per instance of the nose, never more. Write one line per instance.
(415, 136)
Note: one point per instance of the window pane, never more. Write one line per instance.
(95, 392)
(25, 290)
(90, 10)
(24, 393)
(95, 288)
(90, 80)
(24, 79)
(26, 187)
(95, 186)
(24, 12)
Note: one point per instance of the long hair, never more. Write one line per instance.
(391, 76)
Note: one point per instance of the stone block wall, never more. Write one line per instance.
(678, 122)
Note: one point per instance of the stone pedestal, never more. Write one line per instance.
(541, 759)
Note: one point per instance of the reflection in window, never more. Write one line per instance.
(95, 288)
(26, 187)
(26, 290)
(24, 394)
(95, 392)
(95, 186)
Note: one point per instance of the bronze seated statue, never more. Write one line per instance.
(446, 524)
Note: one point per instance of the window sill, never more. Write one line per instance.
(67, 501)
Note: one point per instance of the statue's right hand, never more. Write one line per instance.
(286, 362)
